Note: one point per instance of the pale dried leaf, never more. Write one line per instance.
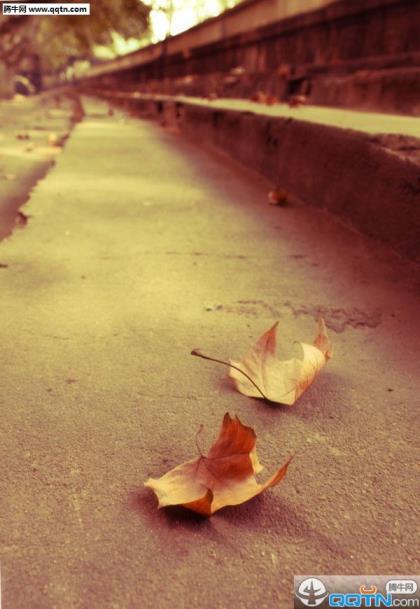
(226, 476)
(280, 381)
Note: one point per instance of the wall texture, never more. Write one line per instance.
(351, 53)
(372, 182)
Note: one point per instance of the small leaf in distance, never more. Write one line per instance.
(278, 196)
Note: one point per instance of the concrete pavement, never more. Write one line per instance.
(362, 166)
(31, 131)
(140, 247)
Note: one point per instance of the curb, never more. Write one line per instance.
(373, 186)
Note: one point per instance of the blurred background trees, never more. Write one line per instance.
(33, 48)
(35, 45)
(170, 17)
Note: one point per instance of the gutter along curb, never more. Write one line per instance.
(372, 181)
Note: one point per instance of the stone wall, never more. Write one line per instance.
(348, 53)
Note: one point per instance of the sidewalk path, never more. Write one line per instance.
(32, 130)
(139, 248)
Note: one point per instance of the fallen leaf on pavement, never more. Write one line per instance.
(238, 71)
(284, 71)
(52, 139)
(278, 196)
(272, 100)
(22, 135)
(295, 101)
(21, 219)
(261, 375)
(260, 97)
(57, 140)
(226, 476)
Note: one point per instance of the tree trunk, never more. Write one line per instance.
(6, 82)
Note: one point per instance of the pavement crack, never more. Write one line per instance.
(338, 319)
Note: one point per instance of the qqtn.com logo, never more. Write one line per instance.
(313, 592)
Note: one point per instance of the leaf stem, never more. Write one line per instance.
(220, 361)
(200, 429)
